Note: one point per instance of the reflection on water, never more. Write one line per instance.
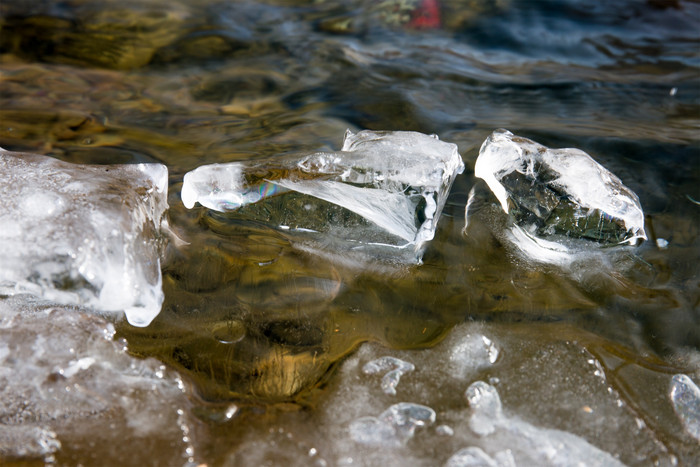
(251, 318)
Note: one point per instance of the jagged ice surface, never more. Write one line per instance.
(381, 188)
(83, 234)
(68, 388)
(556, 194)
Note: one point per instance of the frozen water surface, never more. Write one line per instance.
(553, 195)
(393, 369)
(63, 379)
(531, 445)
(685, 396)
(380, 189)
(83, 234)
(547, 402)
(394, 427)
(476, 457)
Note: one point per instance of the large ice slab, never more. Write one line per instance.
(83, 234)
(555, 193)
(380, 189)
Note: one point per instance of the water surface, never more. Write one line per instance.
(252, 321)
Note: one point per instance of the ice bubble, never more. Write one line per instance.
(527, 444)
(394, 369)
(553, 195)
(394, 427)
(83, 234)
(685, 397)
(382, 189)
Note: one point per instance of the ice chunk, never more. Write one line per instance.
(685, 397)
(83, 234)
(381, 189)
(529, 444)
(394, 427)
(558, 192)
(393, 367)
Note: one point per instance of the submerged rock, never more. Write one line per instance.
(381, 190)
(83, 234)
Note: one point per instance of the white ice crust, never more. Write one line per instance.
(578, 175)
(83, 234)
(368, 176)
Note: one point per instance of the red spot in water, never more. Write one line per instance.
(426, 16)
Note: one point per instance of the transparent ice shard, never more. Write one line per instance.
(526, 443)
(394, 427)
(83, 234)
(685, 397)
(554, 193)
(393, 367)
(381, 189)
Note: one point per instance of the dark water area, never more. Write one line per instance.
(253, 323)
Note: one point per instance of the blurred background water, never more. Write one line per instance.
(264, 335)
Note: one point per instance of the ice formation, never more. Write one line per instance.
(381, 189)
(393, 367)
(685, 397)
(470, 353)
(394, 427)
(530, 445)
(83, 234)
(557, 193)
(62, 374)
(476, 457)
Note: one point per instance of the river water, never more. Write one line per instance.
(268, 342)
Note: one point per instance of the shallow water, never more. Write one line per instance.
(268, 338)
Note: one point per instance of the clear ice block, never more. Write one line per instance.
(558, 192)
(381, 189)
(83, 234)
